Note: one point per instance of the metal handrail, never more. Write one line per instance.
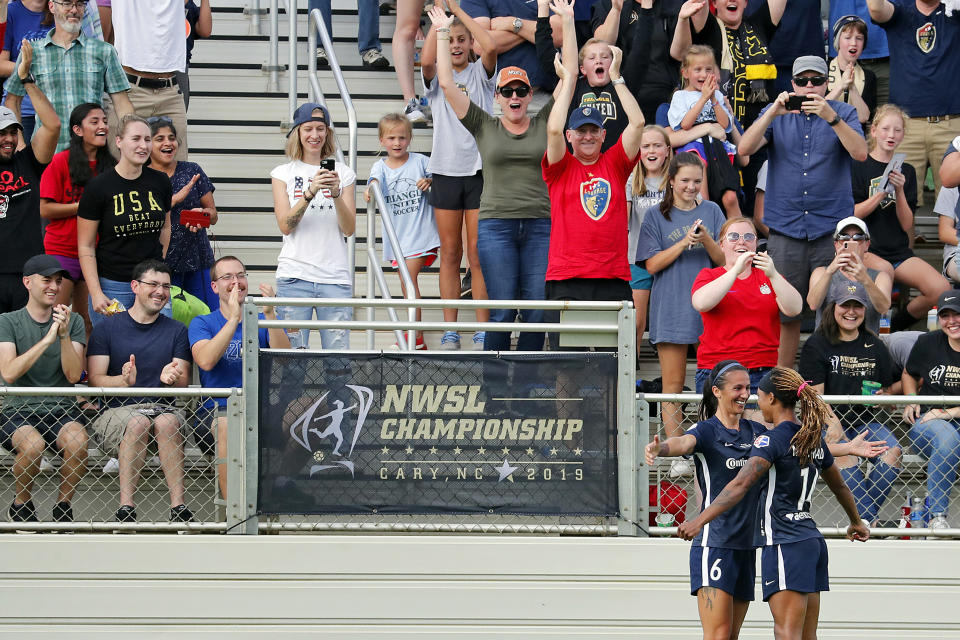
(373, 266)
(315, 25)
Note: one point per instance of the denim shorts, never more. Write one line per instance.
(334, 339)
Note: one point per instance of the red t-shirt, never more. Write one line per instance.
(744, 326)
(60, 238)
(588, 210)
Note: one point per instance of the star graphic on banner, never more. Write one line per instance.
(433, 450)
(578, 451)
(457, 450)
(553, 451)
(505, 471)
(481, 451)
(384, 451)
(505, 451)
(409, 449)
(529, 451)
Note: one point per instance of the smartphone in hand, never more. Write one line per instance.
(195, 218)
(794, 102)
(329, 164)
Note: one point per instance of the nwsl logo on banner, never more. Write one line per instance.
(595, 197)
(331, 425)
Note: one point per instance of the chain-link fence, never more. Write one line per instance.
(918, 470)
(101, 459)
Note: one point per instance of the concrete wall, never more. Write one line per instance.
(473, 587)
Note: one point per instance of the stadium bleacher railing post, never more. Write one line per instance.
(628, 441)
(273, 67)
(292, 48)
(375, 205)
(244, 518)
(240, 504)
(315, 25)
(254, 11)
(643, 471)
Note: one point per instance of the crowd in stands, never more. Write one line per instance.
(582, 150)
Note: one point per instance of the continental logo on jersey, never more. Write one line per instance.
(595, 197)
(761, 441)
(927, 37)
(603, 103)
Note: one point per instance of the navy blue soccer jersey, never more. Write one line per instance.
(719, 454)
(785, 500)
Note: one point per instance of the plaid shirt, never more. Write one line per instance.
(72, 76)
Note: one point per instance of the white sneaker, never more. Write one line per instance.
(681, 468)
(373, 59)
(413, 111)
(322, 61)
(478, 339)
(112, 466)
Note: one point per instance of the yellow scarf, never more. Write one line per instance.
(835, 77)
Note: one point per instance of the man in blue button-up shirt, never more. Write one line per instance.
(808, 180)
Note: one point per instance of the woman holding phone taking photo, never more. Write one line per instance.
(189, 255)
(315, 205)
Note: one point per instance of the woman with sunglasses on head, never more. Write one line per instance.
(722, 559)
(190, 255)
(513, 233)
(740, 303)
(123, 218)
(61, 187)
(788, 460)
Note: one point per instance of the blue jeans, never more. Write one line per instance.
(368, 31)
(939, 442)
(121, 291)
(338, 339)
(870, 493)
(197, 283)
(513, 258)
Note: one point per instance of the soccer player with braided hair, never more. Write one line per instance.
(790, 458)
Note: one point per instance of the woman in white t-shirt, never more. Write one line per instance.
(316, 212)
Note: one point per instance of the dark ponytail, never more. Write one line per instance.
(717, 378)
(790, 389)
(682, 159)
(77, 162)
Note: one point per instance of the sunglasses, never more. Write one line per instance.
(733, 236)
(520, 92)
(816, 81)
(857, 237)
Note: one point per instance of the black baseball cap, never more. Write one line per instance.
(43, 265)
(949, 300)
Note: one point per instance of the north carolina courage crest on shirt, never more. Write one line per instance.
(927, 37)
(595, 197)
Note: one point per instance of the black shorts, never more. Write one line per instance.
(13, 295)
(589, 289)
(47, 423)
(456, 193)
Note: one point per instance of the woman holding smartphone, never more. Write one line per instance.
(189, 255)
(315, 206)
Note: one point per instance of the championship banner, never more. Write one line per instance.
(457, 433)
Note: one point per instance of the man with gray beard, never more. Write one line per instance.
(71, 69)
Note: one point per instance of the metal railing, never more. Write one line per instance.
(854, 412)
(374, 267)
(619, 321)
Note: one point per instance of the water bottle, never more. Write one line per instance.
(938, 521)
(932, 319)
(926, 508)
(885, 323)
(916, 514)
